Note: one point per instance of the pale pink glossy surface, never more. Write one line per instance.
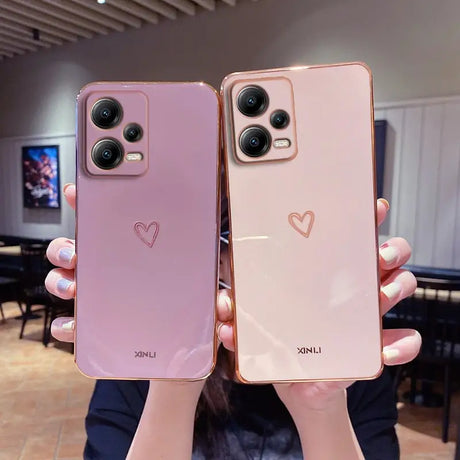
(144, 287)
(322, 291)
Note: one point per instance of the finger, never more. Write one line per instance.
(61, 283)
(399, 285)
(382, 209)
(394, 253)
(61, 252)
(70, 193)
(224, 306)
(225, 335)
(62, 329)
(400, 346)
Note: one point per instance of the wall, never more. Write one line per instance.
(412, 47)
(422, 178)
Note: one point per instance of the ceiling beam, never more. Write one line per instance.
(136, 10)
(230, 2)
(186, 6)
(9, 41)
(63, 16)
(22, 38)
(7, 25)
(6, 53)
(44, 18)
(12, 49)
(98, 18)
(35, 24)
(207, 4)
(111, 12)
(159, 7)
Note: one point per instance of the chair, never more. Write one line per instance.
(9, 291)
(35, 267)
(434, 310)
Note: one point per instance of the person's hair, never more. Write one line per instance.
(213, 407)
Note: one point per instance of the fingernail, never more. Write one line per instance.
(63, 284)
(66, 254)
(63, 323)
(389, 254)
(68, 326)
(392, 290)
(66, 186)
(390, 354)
(385, 203)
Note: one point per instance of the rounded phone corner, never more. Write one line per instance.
(363, 67)
(86, 372)
(227, 81)
(207, 374)
(374, 373)
(243, 379)
(86, 89)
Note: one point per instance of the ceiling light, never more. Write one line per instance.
(101, 2)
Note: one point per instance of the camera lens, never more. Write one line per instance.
(106, 113)
(132, 132)
(255, 141)
(279, 119)
(107, 153)
(252, 101)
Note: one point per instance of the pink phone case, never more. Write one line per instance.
(303, 228)
(147, 236)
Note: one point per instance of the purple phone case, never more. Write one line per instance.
(147, 244)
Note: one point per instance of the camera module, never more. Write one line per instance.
(279, 119)
(107, 153)
(132, 132)
(106, 113)
(255, 141)
(252, 101)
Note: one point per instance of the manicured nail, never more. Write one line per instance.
(392, 290)
(68, 326)
(390, 354)
(66, 254)
(389, 254)
(385, 203)
(63, 284)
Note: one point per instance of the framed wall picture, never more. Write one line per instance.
(40, 175)
(380, 134)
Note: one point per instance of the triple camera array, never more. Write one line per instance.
(255, 141)
(108, 153)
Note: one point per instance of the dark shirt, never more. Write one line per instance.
(259, 426)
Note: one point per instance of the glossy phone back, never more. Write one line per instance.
(303, 229)
(147, 237)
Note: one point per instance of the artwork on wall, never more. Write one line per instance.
(380, 133)
(40, 173)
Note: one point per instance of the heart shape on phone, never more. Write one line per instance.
(147, 233)
(302, 223)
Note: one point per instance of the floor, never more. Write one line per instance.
(43, 401)
(43, 398)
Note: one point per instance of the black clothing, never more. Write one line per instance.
(259, 426)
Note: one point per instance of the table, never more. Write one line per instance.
(10, 251)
